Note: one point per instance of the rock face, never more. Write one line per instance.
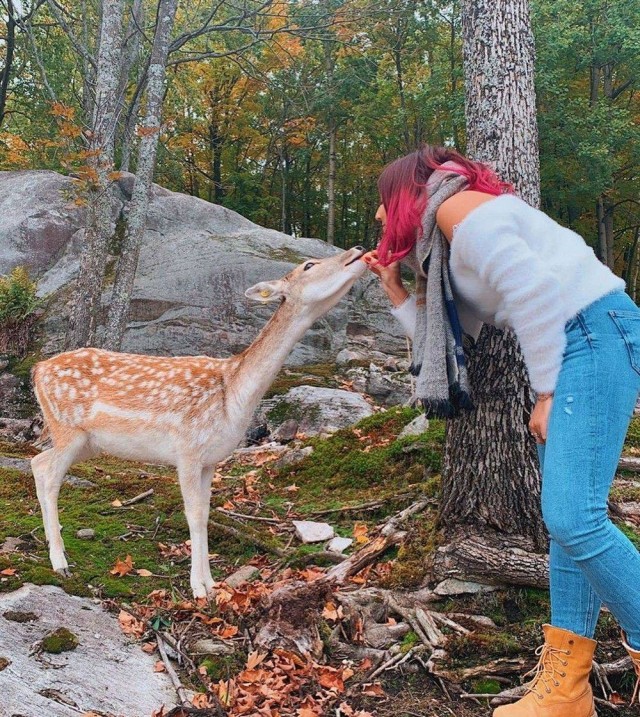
(196, 260)
(120, 681)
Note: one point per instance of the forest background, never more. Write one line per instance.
(287, 113)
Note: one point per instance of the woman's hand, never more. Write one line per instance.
(389, 277)
(539, 420)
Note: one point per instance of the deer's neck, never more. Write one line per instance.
(257, 367)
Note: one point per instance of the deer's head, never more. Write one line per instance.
(316, 285)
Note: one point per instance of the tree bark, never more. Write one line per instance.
(86, 300)
(10, 44)
(490, 477)
(147, 148)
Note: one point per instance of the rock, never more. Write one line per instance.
(286, 431)
(10, 544)
(453, 586)
(86, 534)
(310, 532)
(347, 356)
(78, 482)
(391, 364)
(120, 680)
(419, 425)
(23, 465)
(339, 544)
(256, 433)
(385, 387)
(243, 575)
(196, 260)
(207, 646)
(293, 457)
(317, 410)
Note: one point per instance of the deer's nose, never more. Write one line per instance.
(359, 248)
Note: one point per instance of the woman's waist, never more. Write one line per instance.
(595, 317)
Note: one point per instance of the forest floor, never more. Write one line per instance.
(138, 564)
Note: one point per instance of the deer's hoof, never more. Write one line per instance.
(64, 572)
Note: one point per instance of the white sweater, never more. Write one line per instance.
(515, 267)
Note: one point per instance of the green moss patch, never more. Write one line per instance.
(60, 640)
(20, 616)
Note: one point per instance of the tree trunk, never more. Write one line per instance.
(86, 300)
(127, 265)
(490, 477)
(10, 44)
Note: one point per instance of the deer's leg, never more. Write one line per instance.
(49, 469)
(195, 484)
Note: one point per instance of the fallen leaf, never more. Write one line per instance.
(8, 571)
(360, 531)
(116, 503)
(255, 658)
(131, 625)
(144, 573)
(122, 567)
(373, 690)
(159, 666)
(149, 647)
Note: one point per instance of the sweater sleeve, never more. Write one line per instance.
(405, 313)
(531, 295)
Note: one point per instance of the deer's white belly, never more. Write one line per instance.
(152, 446)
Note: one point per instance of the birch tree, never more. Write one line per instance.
(490, 479)
(150, 132)
(86, 299)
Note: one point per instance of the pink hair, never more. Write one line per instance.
(402, 191)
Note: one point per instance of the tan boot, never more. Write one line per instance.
(560, 686)
(635, 659)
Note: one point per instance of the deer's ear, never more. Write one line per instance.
(266, 291)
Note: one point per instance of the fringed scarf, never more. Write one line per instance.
(442, 384)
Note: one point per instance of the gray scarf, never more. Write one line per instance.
(442, 385)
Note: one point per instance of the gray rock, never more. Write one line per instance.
(346, 356)
(385, 387)
(86, 534)
(286, 431)
(317, 410)
(292, 457)
(339, 544)
(309, 531)
(207, 646)
(419, 425)
(196, 260)
(453, 586)
(242, 575)
(106, 674)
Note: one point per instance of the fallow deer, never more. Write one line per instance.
(185, 411)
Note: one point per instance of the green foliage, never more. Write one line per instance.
(60, 640)
(18, 298)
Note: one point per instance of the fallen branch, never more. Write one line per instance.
(180, 690)
(137, 498)
(258, 518)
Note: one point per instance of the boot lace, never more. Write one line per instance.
(549, 663)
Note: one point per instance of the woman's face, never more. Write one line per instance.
(381, 215)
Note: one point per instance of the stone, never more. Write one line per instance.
(206, 646)
(339, 544)
(120, 680)
(347, 356)
(417, 427)
(309, 531)
(292, 457)
(317, 410)
(86, 534)
(453, 586)
(242, 575)
(286, 431)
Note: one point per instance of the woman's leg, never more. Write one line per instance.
(575, 605)
(594, 400)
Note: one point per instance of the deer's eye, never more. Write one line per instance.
(308, 265)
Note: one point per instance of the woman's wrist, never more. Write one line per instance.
(546, 396)
(396, 293)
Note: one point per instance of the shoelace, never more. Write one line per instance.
(542, 668)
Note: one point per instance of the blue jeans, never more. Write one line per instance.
(590, 560)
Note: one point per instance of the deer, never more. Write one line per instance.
(190, 412)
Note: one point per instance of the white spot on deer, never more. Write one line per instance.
(72, 391)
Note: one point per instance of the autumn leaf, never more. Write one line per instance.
(143, 573)
(131, 625)
(122, 567)
(331, 678)
(149, 647)
(159, 666)
(255, 658)
(373, 690)
(116, 503)
(8, 571)
(360, 531)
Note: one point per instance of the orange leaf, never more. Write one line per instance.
(8, 571)
(149, 647)
(122, 567)
(373, 690)
(130, 625)
(142, 572)
(255, 658)
(159, 666)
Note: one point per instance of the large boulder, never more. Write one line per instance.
(196, 260)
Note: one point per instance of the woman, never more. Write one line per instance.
(513, 266)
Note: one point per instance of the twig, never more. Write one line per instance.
(182, 695)
(138, 498)
(248, 538)
(249, 517)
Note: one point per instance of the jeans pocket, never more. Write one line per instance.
(628, 324)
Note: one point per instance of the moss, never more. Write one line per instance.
(60, 640)
(486, 687)
(468, 649)
(629, 532)
(223, 667)
(633, 434)
(413, 560)
(322, 375)
(410, 640)
(287, 410)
